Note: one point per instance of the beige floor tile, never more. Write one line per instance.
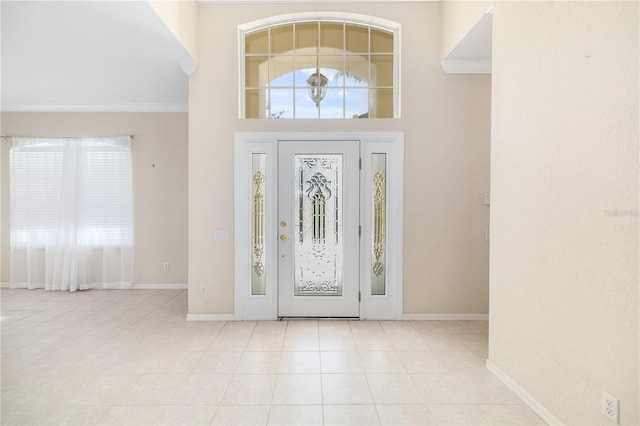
(259, 363)
(365, 326)
(79, 415)
(460, 414)
(341, 362)
(196, 340)
(241, 415)
(270, 327)
(186, 415)
(302, 327)
(105, 390)
(171, 371)
(341, 341)
(474, 342)
(333, 326)
(295, 415)
(422, 362)
(382, 362)
(441, 341)
(442, 389)
(393, 389)
(217, 363)
(345, 389)
(229, 342)
(405, 415)
(350, 415)
(265, 342)
(301, 342)
(249, 390)
(27, 414)
(299, 363)
(201, 389)
(456, 361)
(511, 415)
(297, 389)
(133, 363)
(131, 415)
(182, 362)
(153, 389)
(372, 341)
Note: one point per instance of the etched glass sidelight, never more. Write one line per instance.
(318, 245)
(379, 231)
(258, 278)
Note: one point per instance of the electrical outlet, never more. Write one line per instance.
(203, 289)
(165, 266)
(610, 407)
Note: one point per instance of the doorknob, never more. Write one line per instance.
(283, 237)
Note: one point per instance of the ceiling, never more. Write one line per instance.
(89, 56)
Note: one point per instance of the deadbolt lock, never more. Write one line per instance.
(283, 223)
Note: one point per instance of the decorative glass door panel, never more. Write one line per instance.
(318, 220)
(318, 251)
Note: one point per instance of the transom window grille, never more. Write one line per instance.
(319, 69)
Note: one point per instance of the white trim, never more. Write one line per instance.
(462, 66)
(302, 16)
(172, 286)
(145, 107)
(445, 317)
(211, 317)
(312, 1)
(188, 67)
(531, 402)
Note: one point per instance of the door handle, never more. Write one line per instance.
(283, 237)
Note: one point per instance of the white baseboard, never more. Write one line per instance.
(531, 402)
(445, 317)
(211, 317)
(169, 286)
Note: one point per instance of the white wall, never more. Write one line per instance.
(159, 150)
(446, 120)
(564, 214)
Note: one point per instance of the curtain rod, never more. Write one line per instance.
(54, 137)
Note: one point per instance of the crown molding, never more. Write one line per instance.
(138, 107)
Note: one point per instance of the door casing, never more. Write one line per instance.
(265, 307)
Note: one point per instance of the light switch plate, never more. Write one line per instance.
(221, 235)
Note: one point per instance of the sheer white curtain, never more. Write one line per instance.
(71, 220)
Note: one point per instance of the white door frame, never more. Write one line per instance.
(265, 307)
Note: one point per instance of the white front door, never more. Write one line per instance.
(318, 227)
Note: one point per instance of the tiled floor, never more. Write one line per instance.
(115, 357)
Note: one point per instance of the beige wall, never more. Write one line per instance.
(446, 120)
(181, 17)
(458, 18)
(564, 220)
(160, 192)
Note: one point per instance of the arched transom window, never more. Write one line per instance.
(319, 68)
